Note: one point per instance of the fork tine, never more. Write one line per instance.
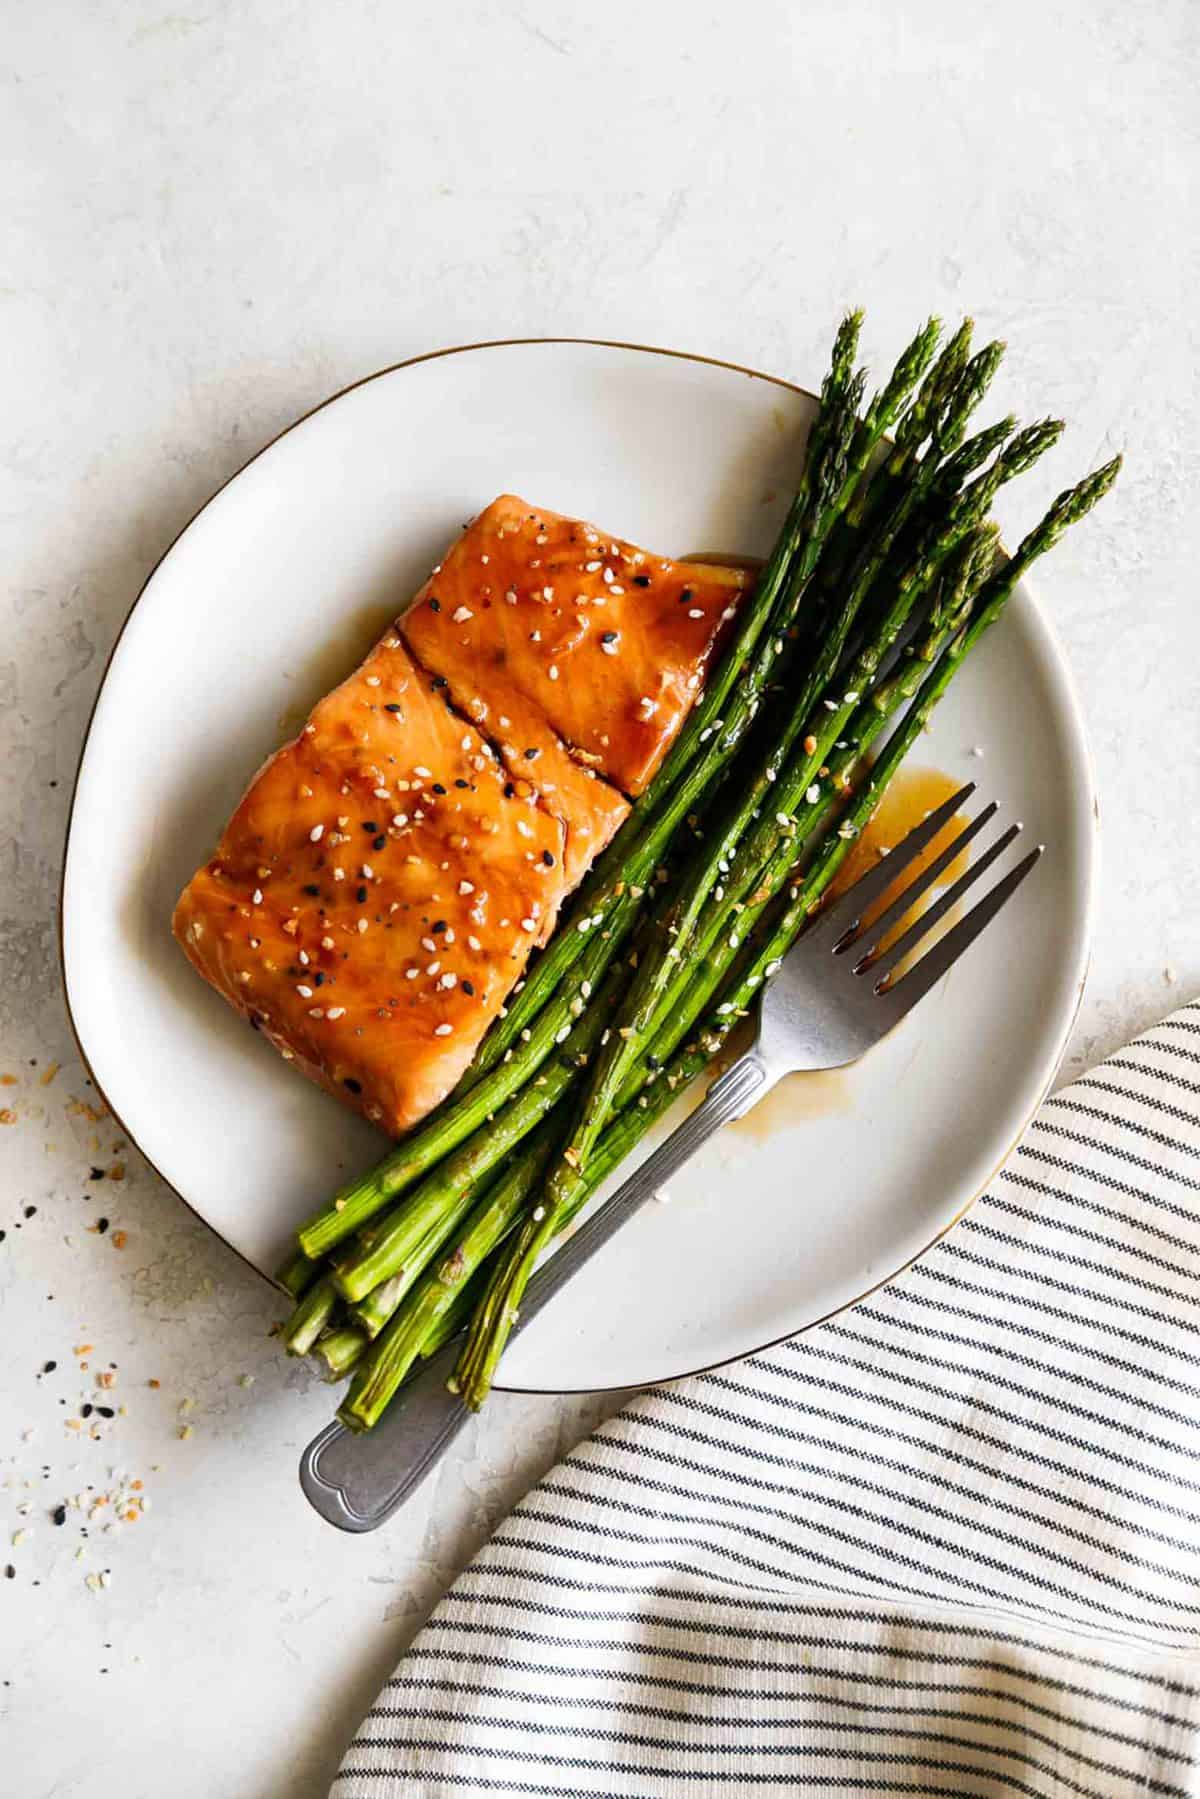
(847, 910)
(920, 927)
(879, 927)
(902, 997)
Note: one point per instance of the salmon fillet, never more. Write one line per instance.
(549, 619)
(376, 895)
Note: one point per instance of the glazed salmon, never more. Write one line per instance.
(376, 895)
(547, 618)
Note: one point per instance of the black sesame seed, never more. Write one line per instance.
(438, 788)
(547, 858)
(461, 783)
(350, 1082)
(608, 637)
(10, 1573)
(370, 825)
(392, 706)
(685, 596)
(435, 605)
(379, 842)
(313, 889)
(30, 1211)
(59, 1514)
(102, 1225)
(86, 1410)
(361, 895)
(641, 580)
(96, 1174)
(318, 979)
(468, 988)
(49, 1367)
(509, 790)
(439, 681)
(532, 755)
(106, 1411)
(438, 926)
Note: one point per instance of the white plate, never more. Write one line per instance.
(268, 598)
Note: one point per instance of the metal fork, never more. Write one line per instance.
(831, 1000)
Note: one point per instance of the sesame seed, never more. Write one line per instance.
(305, 992)
(814, 793)
(256, 896)
(362, 925)
(608, 577)
(552, 671)
(473, 943)
(443, 1030)
(447, 982)
(422, 774)
(381, 793)
(399, 820)
(316, 1012)
(433, 968)
(829, 705)
(695, 612)
(372, 680)
(529, 924)
(336, 1012)
(316, 834)
(462, 614)
(410, 974)
(851, 697)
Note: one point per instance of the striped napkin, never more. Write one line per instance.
(947, 1543)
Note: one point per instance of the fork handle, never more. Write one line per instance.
(357, 1481)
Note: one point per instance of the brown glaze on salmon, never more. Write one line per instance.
(377, 893)
(602, 641)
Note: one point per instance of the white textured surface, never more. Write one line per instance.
(217, 216)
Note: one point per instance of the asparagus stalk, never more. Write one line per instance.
(513, 1053)
(311, 1314)
(340, 1351)
(494, 1318)
(297, 1274)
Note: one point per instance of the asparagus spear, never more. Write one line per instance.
(310, 1315)
(563, 970)
(495, 1316)
(297, 1274)
(340, 1351)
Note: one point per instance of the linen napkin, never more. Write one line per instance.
(947, 1543)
